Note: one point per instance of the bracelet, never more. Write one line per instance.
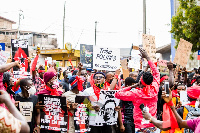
(150, 120)
(39, 126)
(116, 77)
(170, 103)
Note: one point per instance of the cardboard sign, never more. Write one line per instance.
(54, 115)
(149, 45)
(20, 53)
(86, 55)
(125, 73)
(26, 109)
(183, 53)
(106, 58)
(162, 64)
(107, 114)
(124, 63)
(81, 115)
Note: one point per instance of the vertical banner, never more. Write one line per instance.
(149, 45)
(183, 52)
(54, 116)
(81, 115)
(162, 64)
(106, 58)
(86, 55)
(20, 53)
(107, 114)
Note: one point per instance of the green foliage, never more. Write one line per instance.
(186, 24)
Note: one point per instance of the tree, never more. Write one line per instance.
(186, 24)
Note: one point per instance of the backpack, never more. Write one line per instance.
(192, 114)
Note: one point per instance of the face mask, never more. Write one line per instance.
(83, 78)
(55, 85)
(32, 90)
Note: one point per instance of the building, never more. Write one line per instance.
(44, 40)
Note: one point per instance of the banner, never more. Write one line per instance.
(149, 45)
(20, 53)
(106, 58)
(162, 64)
(86, 55)
(81, 115)
(107, 114)
(183, 53)
(54, 115)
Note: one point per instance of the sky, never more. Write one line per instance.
(119, 23)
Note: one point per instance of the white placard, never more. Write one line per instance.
(3, 57)
(107, 114)
(135, 60)
(106, 58)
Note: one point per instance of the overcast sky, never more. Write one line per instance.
(119, 22)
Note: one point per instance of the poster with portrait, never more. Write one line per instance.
(107, 114)
(106, 58)
(20, 53)
(54, 116)
(81, 115)
(86, 55)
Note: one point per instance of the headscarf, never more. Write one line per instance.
(76, 81)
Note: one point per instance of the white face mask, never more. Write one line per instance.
(55, 84)
(32, 90)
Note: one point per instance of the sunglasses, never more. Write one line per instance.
(98, 77)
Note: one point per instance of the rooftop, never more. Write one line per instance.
(164, 49)
(7, 20)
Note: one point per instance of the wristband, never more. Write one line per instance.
(170, 103)
(116, 77)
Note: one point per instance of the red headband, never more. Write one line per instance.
(41, 71)
(146, 89)
(163, 78)
(79, 81)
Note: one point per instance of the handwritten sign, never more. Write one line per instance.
(106, 58)
(162, 64)
(54, 115)
(107, 114)
(149, 45)
(183, 53)
(26, 108)
(3, 57)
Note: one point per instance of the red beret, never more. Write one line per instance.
(193, 92)
(48, 76)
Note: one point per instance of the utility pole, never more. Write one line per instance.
(144, 16)
(20, 14)
(64, 27)
(95, 33)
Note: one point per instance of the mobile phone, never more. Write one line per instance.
(166, 87)
(142, 106)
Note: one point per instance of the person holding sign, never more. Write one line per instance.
(27, 102)
(112, 81)
(76, 83)
(146, 94)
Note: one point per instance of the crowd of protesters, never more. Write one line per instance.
(145, 106)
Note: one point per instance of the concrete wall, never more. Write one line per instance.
(5, 24)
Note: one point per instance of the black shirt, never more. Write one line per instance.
(27, 108)
(65, 85)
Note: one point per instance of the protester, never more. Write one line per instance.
(28, 100)
(76, 83)
(12, 120)
(51, 85)
(133, 75)
(146, 93)
(64, 82)
(127, 111)
(38, 80)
